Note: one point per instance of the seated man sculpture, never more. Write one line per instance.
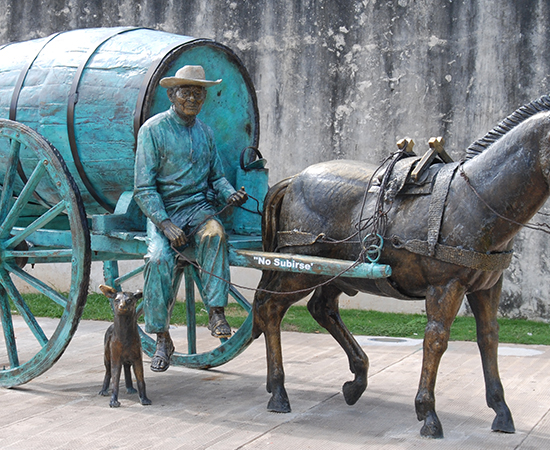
(176, 171)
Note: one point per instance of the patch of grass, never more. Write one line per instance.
(359, 322)
(98, 308)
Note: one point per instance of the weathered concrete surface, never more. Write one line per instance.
(348, 79)
(225, 408)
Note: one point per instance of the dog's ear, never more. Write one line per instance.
(138, 295)
(108, 291)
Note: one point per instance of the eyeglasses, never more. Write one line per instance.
(194, 91)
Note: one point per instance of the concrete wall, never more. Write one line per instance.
(347, 79)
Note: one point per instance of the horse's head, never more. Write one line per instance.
(527, 127)
(508, 172)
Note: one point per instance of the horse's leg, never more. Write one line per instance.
(442, 305)
(269, 310)
(484, 305)
(323, 306)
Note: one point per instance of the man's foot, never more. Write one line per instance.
(217, 324)
(165, 348)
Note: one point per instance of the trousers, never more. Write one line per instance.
(163, 274)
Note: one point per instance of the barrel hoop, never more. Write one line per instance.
(22, 76)
(73, 100)
(146, 83)
(145, 97)
(13, 108)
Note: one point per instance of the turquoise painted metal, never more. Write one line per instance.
(88, 91)
(313, 265)
(70, 108)
(21, 365)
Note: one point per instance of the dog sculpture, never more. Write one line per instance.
(123, 346)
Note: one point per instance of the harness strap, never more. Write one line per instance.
(454, 255)
(297, 238)
(459, 256)
(437, 204)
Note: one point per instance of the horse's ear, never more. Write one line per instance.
(138, 295)
(108, 291)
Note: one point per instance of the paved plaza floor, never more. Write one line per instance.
(225, 408)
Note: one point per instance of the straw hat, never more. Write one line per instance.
(188, 75)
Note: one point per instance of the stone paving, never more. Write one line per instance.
(225, 408)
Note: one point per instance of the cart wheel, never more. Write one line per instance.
(32, 164)
(226, 350)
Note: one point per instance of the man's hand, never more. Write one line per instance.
(238, 198)
(175, 234)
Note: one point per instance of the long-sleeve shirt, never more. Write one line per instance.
(175, 166)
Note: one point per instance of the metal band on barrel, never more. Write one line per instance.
(13, 107)
(73, 99)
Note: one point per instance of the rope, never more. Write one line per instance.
(379, 220)
(194, 231)
(544, 227)
(267, 291)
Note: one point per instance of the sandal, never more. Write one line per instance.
(161, 359)
(217, 324)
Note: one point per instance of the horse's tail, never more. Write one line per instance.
(272, 209)
(270, 225)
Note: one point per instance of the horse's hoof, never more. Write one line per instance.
(504, 423)
(278, 405)
(352, 391)
(104, 393)
(432, 427)
(131, 391)
(145, 401)
(114, 404)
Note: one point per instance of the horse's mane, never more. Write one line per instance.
(513, 120)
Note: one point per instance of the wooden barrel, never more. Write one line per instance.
(88, 91)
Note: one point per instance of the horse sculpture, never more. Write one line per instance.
(454, 240)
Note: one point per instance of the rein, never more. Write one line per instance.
(266, 291)
(379, 219)
(221, 211)
(544, 227)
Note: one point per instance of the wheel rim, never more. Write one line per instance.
(23, 239)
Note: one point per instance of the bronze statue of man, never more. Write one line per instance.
(177, 169)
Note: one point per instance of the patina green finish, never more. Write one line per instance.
(48, 169)
(87, 92)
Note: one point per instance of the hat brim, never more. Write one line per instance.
(169, 82)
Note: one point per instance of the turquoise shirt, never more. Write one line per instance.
(175, 166)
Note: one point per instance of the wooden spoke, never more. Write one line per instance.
(23, 308)
(191, 317)
(39, 285)
(23, 198)
(7, 326)
(43, 220)
(67, 241)
(245, 304)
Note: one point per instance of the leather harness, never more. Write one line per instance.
(493, 261)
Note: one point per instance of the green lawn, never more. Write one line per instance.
(360, 322)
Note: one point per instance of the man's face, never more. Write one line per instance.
(188, 100)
